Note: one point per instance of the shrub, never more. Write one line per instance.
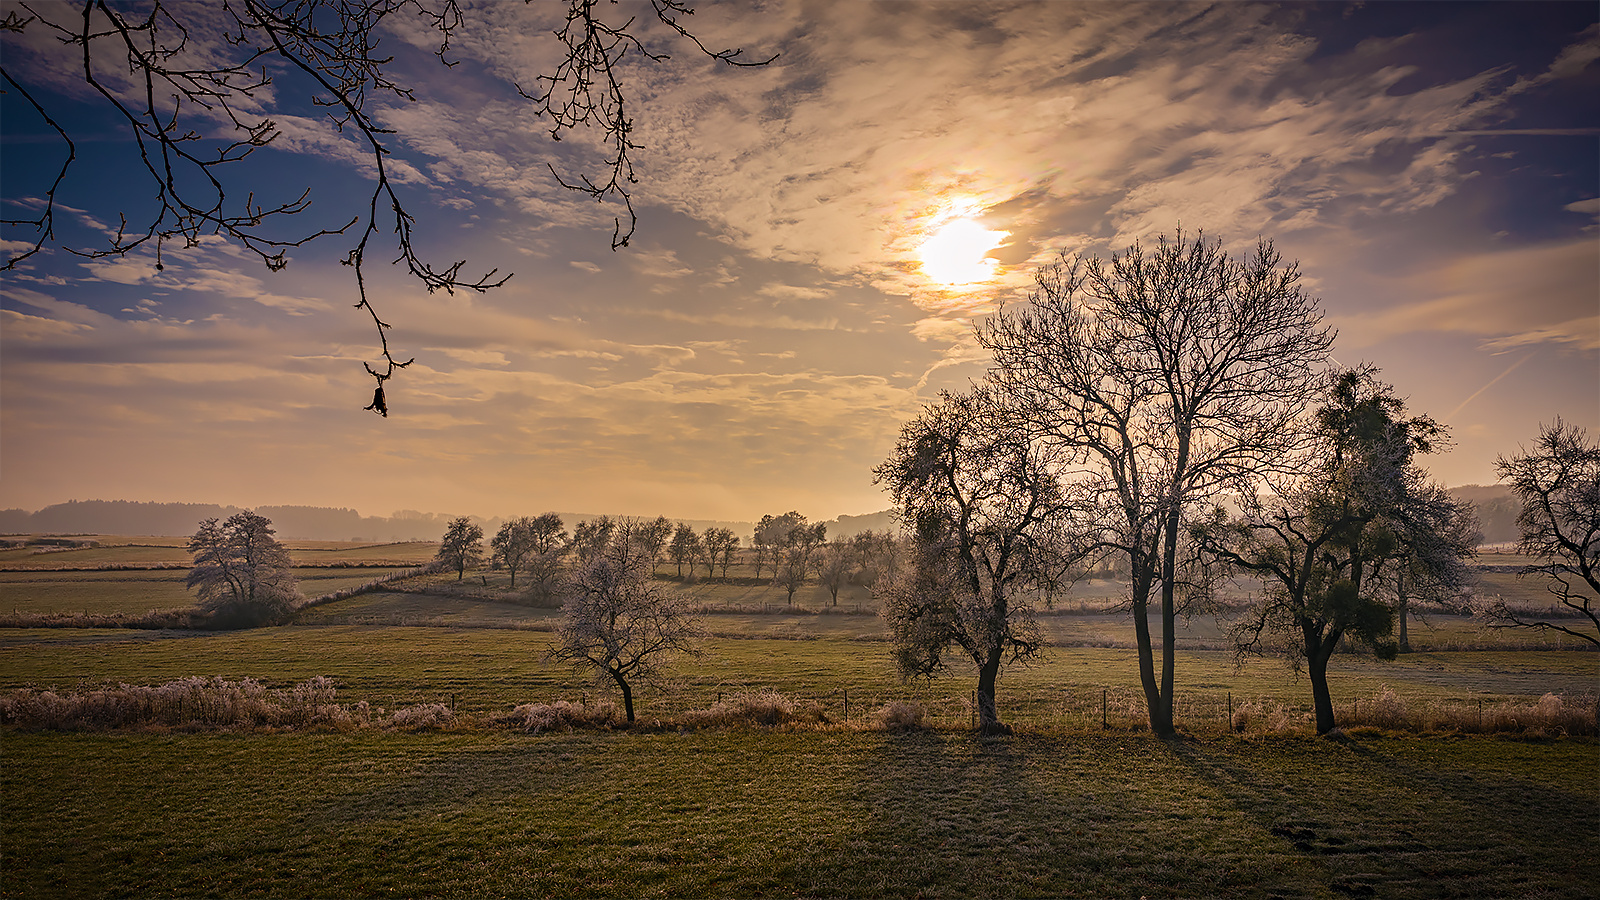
(423, 715)
(769, 709)
(563, 716)
(901, 715)
(188, 703)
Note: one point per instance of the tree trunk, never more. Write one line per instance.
(1141, 633)
(627, 694)
(1318, 652)
(1401, 609)
(988, 713)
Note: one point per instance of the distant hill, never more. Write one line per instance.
(314, 523)
(1497, 510)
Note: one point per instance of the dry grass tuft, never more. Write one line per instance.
(564, 716)
(769, 709)
(902, 715)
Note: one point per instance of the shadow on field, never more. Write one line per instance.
(1383, 826)
(939, 814)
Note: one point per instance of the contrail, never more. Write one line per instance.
(1491, 384)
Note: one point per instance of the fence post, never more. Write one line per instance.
(1103, 724)
(1230, 710)
(847, 705)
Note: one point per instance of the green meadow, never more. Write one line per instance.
(1081, 801)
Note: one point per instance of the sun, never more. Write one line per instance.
(958, 252)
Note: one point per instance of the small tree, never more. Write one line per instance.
(514, 545)
(685, 548)
(720, 544)
(461, 546)
(798, 554)
(653, 537)
(241, 573)
(592, 537)
(1558, 482)
(834, 565)
(982, 499)
(618, 623)
(1325, 541)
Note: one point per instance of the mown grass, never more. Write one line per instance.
(823, 814)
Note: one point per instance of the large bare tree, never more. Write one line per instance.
(1558, 483)
(197, 86)
(1167, 375)
(983, 507)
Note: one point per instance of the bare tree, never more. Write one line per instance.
(619, 624)
(685, 548)
(461, 546)
(1558, 482)
(981, 498)
(241, 572)
(834, 565)
(719, 543)
(513, 544)
(1325, 539)
(1167, 378)
(548, 544)
(653, 537)
(178, 75)
(592, 537)
(797, 553)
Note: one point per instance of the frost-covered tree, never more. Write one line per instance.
(619, 625)
(241, 572)
(984, 507)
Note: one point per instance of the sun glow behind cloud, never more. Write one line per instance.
(958, 252)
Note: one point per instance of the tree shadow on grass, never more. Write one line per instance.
(1380, 826)
(953, 815)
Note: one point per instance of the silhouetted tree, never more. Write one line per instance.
(619, 624)
(548, 540)
(1324, 539)
(1166, 378)
(1558, 482)
(461, 546)
(241, 572)
(982, 499)
(513, 544)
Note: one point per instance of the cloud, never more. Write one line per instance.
(1543, 294)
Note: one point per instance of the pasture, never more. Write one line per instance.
(1063, 807)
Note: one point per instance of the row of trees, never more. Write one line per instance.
(1175, 408)
(792, 549)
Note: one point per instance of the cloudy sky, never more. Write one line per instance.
(1432, 166)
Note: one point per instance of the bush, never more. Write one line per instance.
(901, 715)
(188, 703)
(423, 715)
(768, 709)
(563, 716)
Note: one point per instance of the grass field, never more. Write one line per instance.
(1061, 808)
(764, 814)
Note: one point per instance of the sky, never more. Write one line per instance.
(816, 239)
